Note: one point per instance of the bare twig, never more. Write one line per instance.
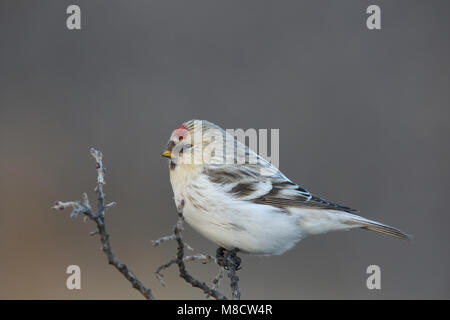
(181, 260)
(227, 260)
(84, 207)
(196, 257)
(160, 241)
(218, 278)
(234, 279)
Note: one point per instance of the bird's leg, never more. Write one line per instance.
(228, 259)
(234, 260)
(220, 257)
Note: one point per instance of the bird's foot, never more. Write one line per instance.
(228, 259)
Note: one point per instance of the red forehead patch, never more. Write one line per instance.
(181, 133)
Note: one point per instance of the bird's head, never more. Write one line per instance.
(180, 141)
(194, 142)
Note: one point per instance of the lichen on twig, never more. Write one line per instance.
(228, 261)
(180, 260)
(84, 207)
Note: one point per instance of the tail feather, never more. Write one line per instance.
(381, 228)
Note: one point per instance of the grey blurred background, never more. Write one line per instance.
(363, 118)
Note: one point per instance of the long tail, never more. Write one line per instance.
(378, 227)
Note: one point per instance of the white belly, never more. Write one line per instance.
(252, 231)
(233, 223)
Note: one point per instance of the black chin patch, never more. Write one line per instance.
(172, 165)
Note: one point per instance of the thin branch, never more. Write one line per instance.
(234, 279)
(196, 257)
(98, 218)
(218, 278)
(181, 260)
(229, 260)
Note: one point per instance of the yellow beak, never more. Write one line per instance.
(167, 154)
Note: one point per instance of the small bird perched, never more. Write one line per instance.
(239, 200)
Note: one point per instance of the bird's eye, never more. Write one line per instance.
(180, 138)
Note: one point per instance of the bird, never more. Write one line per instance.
(240, 201)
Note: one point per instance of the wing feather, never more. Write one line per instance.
(262, 183)
(246, 182)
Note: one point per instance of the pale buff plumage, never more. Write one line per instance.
(239, 200)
